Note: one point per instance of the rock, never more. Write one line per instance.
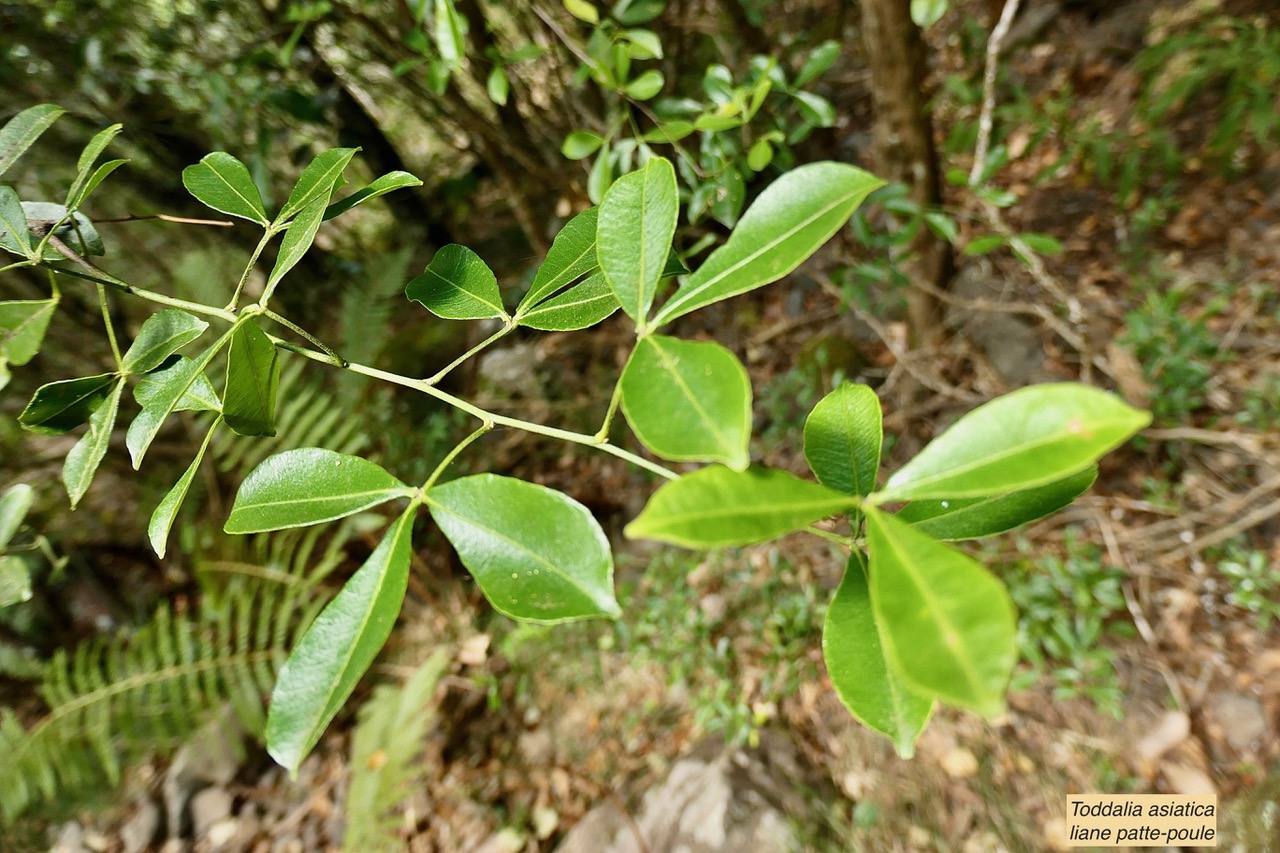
(1243, 720)
(208, 807)
(140, 830)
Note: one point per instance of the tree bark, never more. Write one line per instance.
(904, 135)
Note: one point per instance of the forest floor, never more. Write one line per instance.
(1151, 608)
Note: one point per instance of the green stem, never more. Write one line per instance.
(311, 339)
(111, 331)
(506, 329)
(453, 454)
(253, 262)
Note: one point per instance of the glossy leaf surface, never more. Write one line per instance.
(537, 554)
(854, 655)
(83, 460)
(581, 306)
(972, 518)
(1030, 437)
(253, 382)
(223, 183)
(717, 507)
(62, 406)
(22, 328)
(633, 237)
(338, 648)
(308, 486)
(163, 334)
(794, 216)
(946, 624)
(842, 437)
(457, 285)
(572, 255)
(688, 400)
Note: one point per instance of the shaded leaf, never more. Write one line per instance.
(537, 554)
(309, 486)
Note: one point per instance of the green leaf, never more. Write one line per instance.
(99, 175)
(163, 334)
(579, 307)
(321, 177)
(14, 236)
(21, 131)
(83, 460)
(946, 624)
(387, 183)
(448, 34)
(863, 680)
(537, 554)
(646, 86)
(298, 239)
(163, 398)
(1028, 438)
(88, 157)
(222, 182)
(308, 486)
(790, 220)
(716, 507)
(581, 144)
(15, 503)
(819, 62)
(842, 439)
(688, 400)
(338, 648)
(457, 285)
(926, 13)
(62, 406)
(972, 518)
(582, 10)
(633, 238)
(200, 396)
(253, 379)
(22, 328)
(15, 580)
(498, 86)
(167, 510)
(572, 255)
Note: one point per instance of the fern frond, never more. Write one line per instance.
(386, 757)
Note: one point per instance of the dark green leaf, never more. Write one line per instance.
(842, 439)
(24, 129)
(338, 648)
(633, 238)
(572, 255)
(863, 680)
(380, 187)
(22, 328)
(784, 226)
(1034, 436)
(62, 406)
(688, 400)
(167, 510)
(716, 507)
(972, 518)
(946, 624)
(579, 307)
(253, 380)
(537, 554)
(457, 285)
(83, 460)
(223, 183)
(321, 177)
(163, 334)
(308, 486)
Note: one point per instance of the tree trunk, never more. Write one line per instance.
(904, 134)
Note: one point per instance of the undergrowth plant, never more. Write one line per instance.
(915, 621)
